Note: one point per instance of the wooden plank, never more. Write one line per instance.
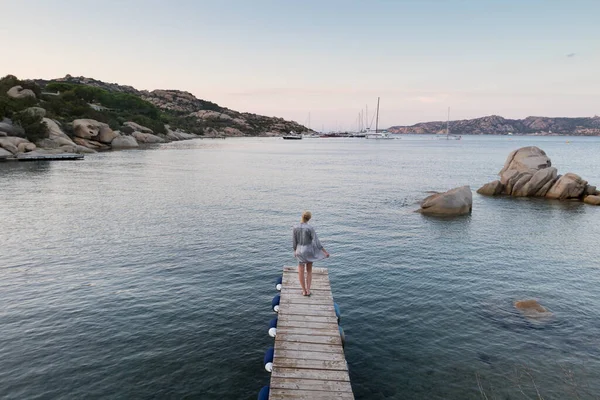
(308, 339)
(291, 330)
(325, 375)
(318, 313)
(308, 307)
(309, 355)
(331, 365)
(314, 347)
(310, 325)
(307, 318)
(312, 300)
(311, 384)
(277, 394)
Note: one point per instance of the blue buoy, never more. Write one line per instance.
(268, 360)
(264, 393)
(275, 303)
(273, 327)
(337, 312)
(342, 336)
(279, 283)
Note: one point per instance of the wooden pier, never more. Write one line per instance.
(309, 361)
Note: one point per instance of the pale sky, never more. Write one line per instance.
(329, 58)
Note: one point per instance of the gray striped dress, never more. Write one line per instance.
(306, 244)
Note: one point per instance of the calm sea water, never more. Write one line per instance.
(149, 274)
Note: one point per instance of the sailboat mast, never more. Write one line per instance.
(448, 125)
(367, 119)
(377, 119)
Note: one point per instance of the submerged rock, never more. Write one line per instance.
(458, 201)
(531, 309)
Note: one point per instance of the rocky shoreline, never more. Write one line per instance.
(89, 136)
(78, 115)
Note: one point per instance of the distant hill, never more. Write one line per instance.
(496, 125)
(181, 110)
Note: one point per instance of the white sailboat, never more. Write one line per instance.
(448, 135)
(376, 134)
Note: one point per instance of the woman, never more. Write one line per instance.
(307, 249)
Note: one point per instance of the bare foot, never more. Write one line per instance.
(304, 293)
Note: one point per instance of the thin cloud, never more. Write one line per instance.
(571, 55)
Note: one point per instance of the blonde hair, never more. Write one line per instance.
(306, 216)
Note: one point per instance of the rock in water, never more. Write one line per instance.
(536, 182)
(532, 309)
(528, 172)
(568, 186)
(124, 142)
(592, 199)
(528, 159)
(458, 201)
(491, 189)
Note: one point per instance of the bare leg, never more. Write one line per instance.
(301, 278)
(308, 277)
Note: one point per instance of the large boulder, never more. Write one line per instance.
(11, 143)
(106, 135)
(4, 154)
(147, 138)
(519, 169)
(592, 199)
(535, 183)
(137, 127)
(124, 142)
(26, 147)
(54, 130)
(10, 129)
(491, 189)
(17, 92)
(458, 201)
(568, 186)
(91, 144)
(528, 172)
(528, 159)
(87, 128)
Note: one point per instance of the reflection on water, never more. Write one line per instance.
(148, 273)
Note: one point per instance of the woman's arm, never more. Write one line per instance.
(294, 240)
(318, 243)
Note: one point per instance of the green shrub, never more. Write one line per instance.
(35, 128)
